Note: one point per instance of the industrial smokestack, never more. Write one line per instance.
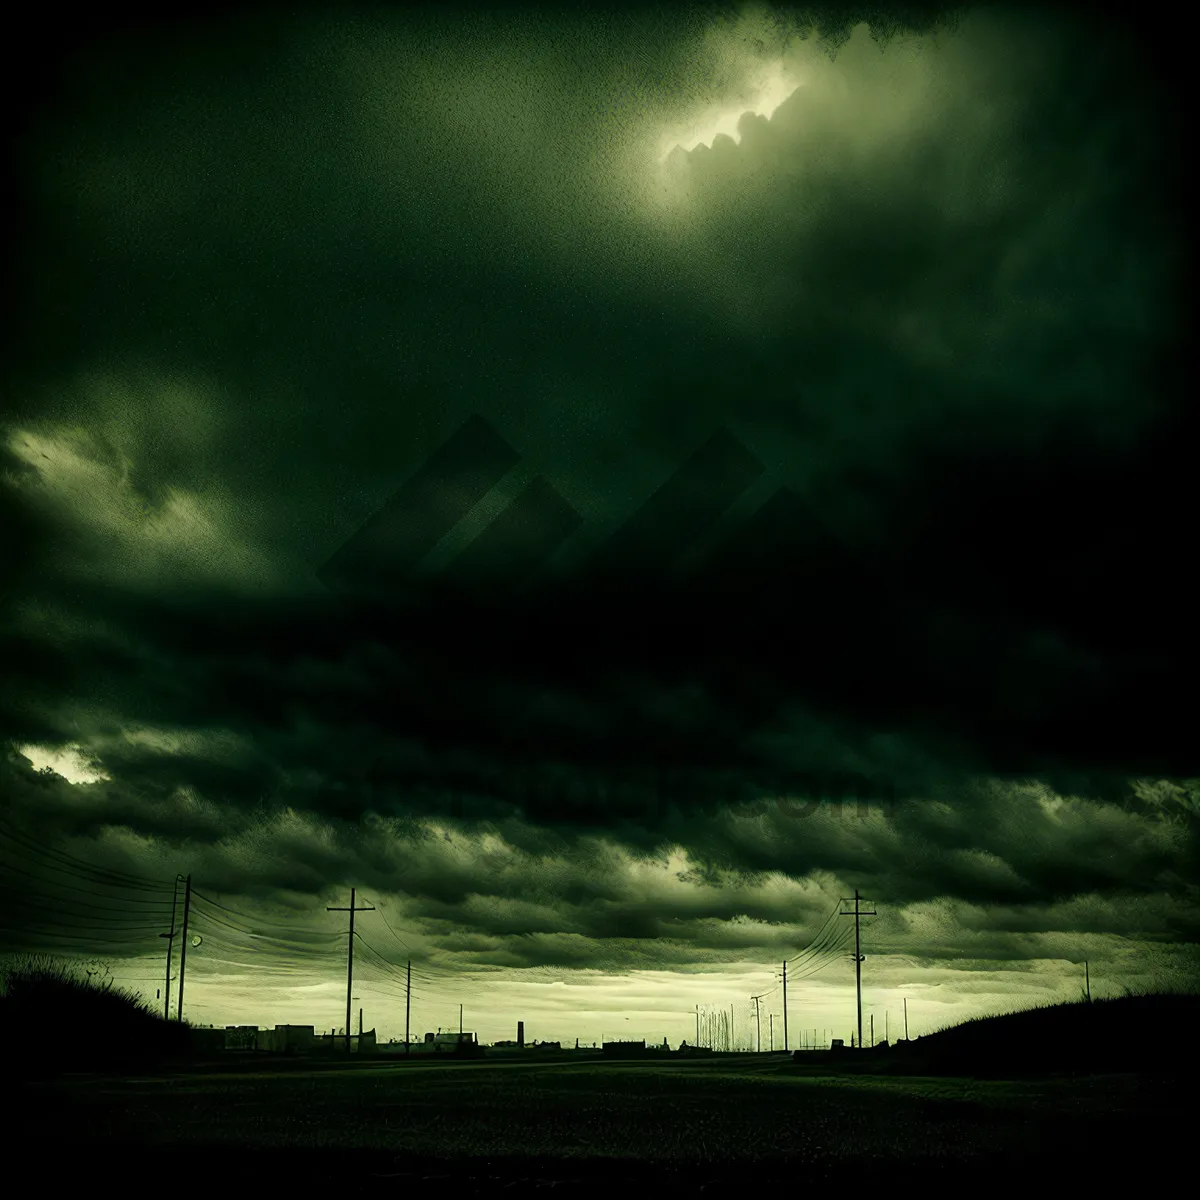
(521, 1034)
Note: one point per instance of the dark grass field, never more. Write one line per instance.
(1059, 1096)
(592, 1126)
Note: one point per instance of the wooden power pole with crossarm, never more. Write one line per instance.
(350, 960)
(859, 911)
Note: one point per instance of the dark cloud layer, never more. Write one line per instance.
(934, 300)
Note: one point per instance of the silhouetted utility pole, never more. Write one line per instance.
(872, 1031)
(360, 1030)
(407, 1002)
(785, 1031)
(772, 1016)
(187, 908)
(349, 959)
(460, 1024)
(858, 957)
(885, 1026)
(906, 1018)
(170, 947)
(697, 1025)
(758, 1022)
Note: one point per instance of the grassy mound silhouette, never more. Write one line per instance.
(53, 1018)
(1146, 1032)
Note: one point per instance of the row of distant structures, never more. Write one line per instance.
(305, 1039)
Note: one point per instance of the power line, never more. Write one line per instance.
(296, 962)
(298, 936)
(820, 940)
(298, 943)
(22, 914)
(233, 967)
(258, 920)
(161, 904)
(290, 961)
(392, 979)
(92, 904)
(831, 955)
(87, 878)
(33, 846)
(392, 931)
(819, 955)
(78, 938)
(395, 992)
(295, 958)
(122, 878)
(395, 967)
(389, 967)
(829, 920)
(429, 974)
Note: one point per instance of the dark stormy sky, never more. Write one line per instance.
(910, 291)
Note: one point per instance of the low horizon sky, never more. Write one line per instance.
(607, 486)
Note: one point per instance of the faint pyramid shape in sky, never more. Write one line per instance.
(391, 544)
(667, 527)
(670, 523)
(679, 513)
(517, 542)
(444, 490)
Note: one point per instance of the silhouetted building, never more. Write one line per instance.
(286, 1039)
(450, 1043)
(397, 1048)
(334, 1042)
(624, 1049)
(241, 1037)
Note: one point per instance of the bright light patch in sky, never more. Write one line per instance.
(66, 761)
(89, 483)
(764, 92)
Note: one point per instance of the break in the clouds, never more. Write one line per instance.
(924, 278)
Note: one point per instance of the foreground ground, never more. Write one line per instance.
(477, 1127)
